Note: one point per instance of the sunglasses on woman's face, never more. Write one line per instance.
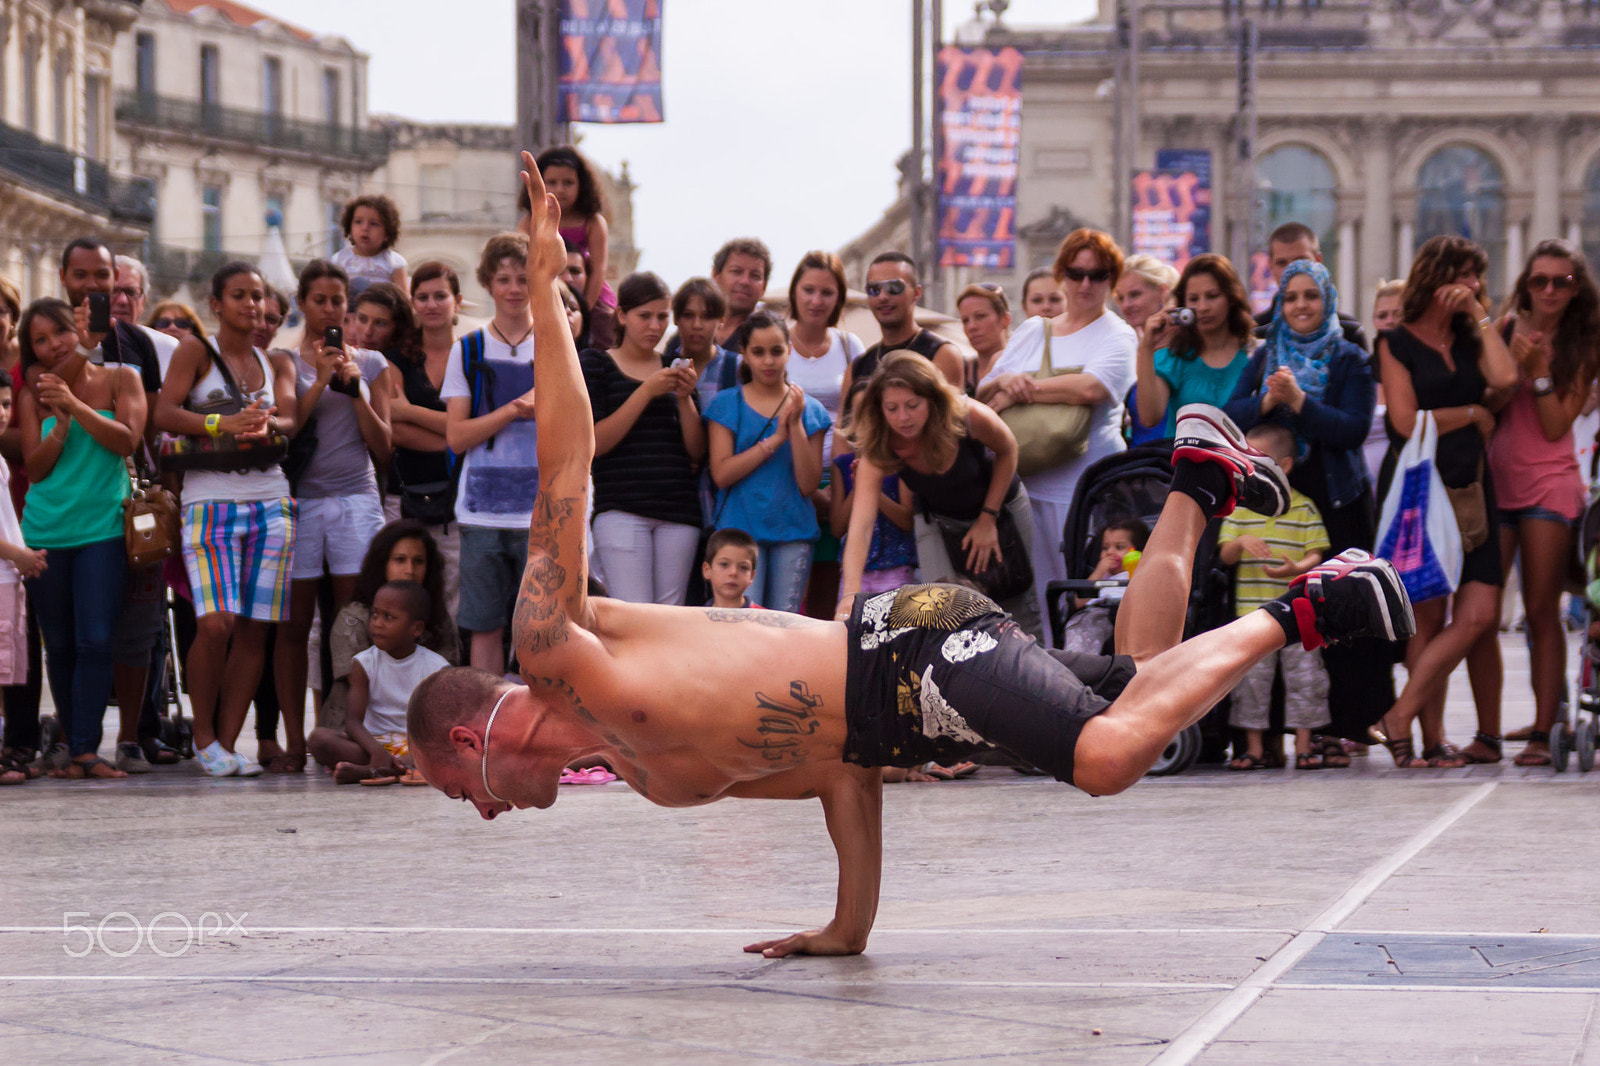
(167, 323)
(892, 287)
(1097, 277)
(1558, 282)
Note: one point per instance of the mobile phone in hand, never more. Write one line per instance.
(99, 312)
(333, 337)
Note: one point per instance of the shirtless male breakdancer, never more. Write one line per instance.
(691, 705)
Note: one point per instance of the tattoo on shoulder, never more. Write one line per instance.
(560, 689)
(784, 724)
(772, 619)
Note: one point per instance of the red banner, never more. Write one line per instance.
(980, 124)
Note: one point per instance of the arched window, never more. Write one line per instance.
(1590, 233)
(1460, 190)
(1297, 185)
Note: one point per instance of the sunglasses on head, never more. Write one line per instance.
(1096, 276)
(167, 323)
(1558, 282)
(892, 287)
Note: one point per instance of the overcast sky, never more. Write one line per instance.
(783, 121)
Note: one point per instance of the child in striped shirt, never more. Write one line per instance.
(1270, 553)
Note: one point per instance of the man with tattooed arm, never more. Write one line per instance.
(691, 705)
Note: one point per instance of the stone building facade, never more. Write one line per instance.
(55, 137)
(1381, 123)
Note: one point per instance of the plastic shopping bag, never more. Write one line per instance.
(1418, 532)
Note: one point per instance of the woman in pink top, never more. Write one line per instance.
(1552, 323)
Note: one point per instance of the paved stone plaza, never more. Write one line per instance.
(1338, 916)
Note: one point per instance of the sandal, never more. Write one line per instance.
(90, 769)
(1445, 756)
(16, 767)
(1332, 751)
(1483, 740)
(952, 772)
(1404, 754)
(1535, 758)
(357, 773)
(1247, 762)
(1523, 734)
(413, 777)
(1310, 760)
(285, 763)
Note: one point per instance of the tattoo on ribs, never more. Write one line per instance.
(785, 723)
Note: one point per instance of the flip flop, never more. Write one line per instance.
(354, 773)
(412, 777)
(594, 775)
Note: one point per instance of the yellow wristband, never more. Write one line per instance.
(214, 425)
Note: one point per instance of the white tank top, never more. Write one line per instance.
(204, 486)
(823, 377)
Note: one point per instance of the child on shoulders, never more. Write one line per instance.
(371, 224)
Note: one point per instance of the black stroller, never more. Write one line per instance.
(1134, 484)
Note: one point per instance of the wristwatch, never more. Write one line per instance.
(1543, 386)
(214, 425)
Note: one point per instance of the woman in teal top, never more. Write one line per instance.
(79, 423)
(1199, 362)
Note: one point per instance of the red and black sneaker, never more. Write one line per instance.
(1206, 435)
(1351, 595)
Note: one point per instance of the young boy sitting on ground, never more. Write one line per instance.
(1091, 624)
(372, 748)
(1270, 553)
(729, 567)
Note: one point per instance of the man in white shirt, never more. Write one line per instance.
(131, 287)
(488, 395)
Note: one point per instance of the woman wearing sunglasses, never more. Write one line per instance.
(1198, 361)
(1552, 324)
(1091, 353)
(176, 320)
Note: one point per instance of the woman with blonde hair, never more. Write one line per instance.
(956, 456)
(1145, 287)
(176, 319)
(986, 320)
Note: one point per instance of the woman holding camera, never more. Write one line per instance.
(1308, 377)
(648, 441)
(1194, 352)
(343, 413)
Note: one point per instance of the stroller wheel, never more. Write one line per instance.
(50, 733)
(1584, 740)
(1178, 755)
(1560, 746)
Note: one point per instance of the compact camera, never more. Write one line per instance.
(1181, 316)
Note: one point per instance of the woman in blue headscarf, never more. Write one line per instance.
(1307, 377)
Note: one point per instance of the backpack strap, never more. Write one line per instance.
(473, 368)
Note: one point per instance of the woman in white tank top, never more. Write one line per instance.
(237, 525)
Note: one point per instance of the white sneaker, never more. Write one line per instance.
(216, 760)
(247, 767)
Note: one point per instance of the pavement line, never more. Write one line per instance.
(1193, 1041)
(750, 931)
(1471, 934)
(1422, 986)
(611, 982)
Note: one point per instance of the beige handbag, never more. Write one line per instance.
(1048, 434)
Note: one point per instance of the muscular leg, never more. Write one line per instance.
(1170, 692)
(1151, 618)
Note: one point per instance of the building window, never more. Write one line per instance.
(330, 96)
(144, 64)
(94, 93)
(1461, 191)
(210, 76)
(335, 211)
(274, 214)
(436, 198)
(211, 218)
(30, 83)
(1297, 185)
(272, 85)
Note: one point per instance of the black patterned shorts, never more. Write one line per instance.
(937, 672)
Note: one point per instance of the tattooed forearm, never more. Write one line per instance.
(549, 581)
(774, 619)
(784, 725)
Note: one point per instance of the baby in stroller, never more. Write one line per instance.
(1093, 620)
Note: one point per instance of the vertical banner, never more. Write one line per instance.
(980, 133)
(610, 61)
(1171, 207)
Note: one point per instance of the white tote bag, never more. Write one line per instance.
(1417, 531)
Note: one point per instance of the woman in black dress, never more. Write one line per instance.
(1446, 357)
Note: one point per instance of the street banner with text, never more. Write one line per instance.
(980, 136)
(1172, 206)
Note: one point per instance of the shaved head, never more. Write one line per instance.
(457, 695)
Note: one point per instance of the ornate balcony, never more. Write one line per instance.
(68, 176)
(255, 129)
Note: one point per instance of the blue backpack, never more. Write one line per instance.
(477, 370)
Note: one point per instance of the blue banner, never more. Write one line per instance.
(611, 61)
(980, 147)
